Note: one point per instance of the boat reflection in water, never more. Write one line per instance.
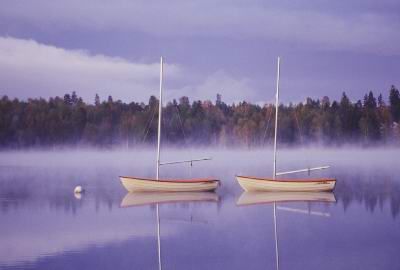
(254, 198)
(148, 198)
(249, 198)
(157, 198)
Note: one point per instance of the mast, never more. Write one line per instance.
(276, 114)
(274, 176)
(158, 163)
(159, 119)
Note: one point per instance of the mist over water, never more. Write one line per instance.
(44, 225)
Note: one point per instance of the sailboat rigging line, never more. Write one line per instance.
(148, 125)
(267, 126)
(184, 138)
(298, 126)
(164, 124)
(181, 122)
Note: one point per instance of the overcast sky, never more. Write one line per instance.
(50, 47)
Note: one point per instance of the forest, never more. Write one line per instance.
(69, 121)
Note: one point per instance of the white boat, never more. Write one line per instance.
(168, 185)
(250, 198)
(150, 198)
(251, 183)
(140, 184)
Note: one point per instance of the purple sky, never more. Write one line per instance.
(48, 48)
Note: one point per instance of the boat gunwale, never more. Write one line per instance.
(287, 180)
(196, 180)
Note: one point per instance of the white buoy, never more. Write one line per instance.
(78, 189)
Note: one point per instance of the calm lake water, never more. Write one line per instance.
(43, 225)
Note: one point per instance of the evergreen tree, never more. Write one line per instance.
(110, 100)
(74, 98)
(97, 100)
(394, 99)
(67, 100)
(369, 121)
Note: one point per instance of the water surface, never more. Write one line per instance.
(43, 225)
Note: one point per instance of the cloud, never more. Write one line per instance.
(31, 69)
(366, 29)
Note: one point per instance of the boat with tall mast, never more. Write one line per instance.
(251, 183)
(140, 184)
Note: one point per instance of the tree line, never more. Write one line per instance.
(69, 121)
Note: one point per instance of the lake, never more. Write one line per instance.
(43, 225)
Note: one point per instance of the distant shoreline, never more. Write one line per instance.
(70, 122)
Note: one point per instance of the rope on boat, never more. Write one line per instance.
(148, 125)
(181, 122)
(298, 126)
(267, 126)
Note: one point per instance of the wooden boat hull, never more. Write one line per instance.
(149, 198)
(250, 198)
(135, 184)
(267, 184)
